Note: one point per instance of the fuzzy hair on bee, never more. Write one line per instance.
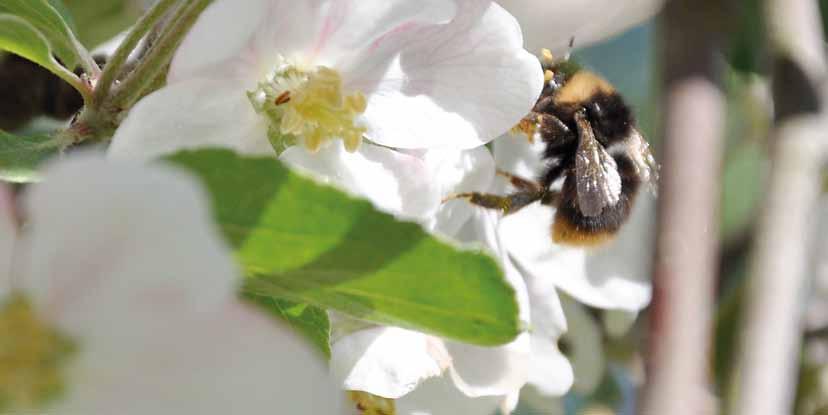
(595, 158)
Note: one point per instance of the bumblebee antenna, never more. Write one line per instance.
(571, 45)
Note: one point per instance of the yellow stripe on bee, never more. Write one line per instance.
(582, 87)
(565, 232)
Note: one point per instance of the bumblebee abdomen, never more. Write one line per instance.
(572, 227)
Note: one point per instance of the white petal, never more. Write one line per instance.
(586, 347)
(395, 182)
(386, 361)
(550, 371)
(223, 32)
(438, 396)
(191, 114)
(243, 40)
(551, 24)
(8, 235)
(490, 371)
(548, 320)
(515, 154)
(526, 236)
(458, 85)
(105, 236)
(457, 171)
(228, 361)
(356, 25)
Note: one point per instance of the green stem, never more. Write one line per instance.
(116, 63)
(82, 87)
(158, 57)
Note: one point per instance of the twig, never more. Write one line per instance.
(115, 65)
(686, 244)
(771, 341)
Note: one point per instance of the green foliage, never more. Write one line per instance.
(747, 37)
(45, 20)
(311, 321)
(100, 20)
(309, 243)
(20, 37)
(20, 156)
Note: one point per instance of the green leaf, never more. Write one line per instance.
(65, 13)
(46, 20)
(20, 156)
(20, 37)
(100, 20)
(309, 243)
(310, 321)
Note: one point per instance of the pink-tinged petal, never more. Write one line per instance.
(386, 361)
(438, 396)
(104, 238)
(454, 172)
(550, 372)
(551, 24)
(395, 182)
(191, 114)
(586, 349)
(453, 85)
(8, 236)
(231, 360)
(353, 25)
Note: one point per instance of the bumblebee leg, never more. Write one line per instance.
(521, 183)
(555, 132)
(507, 204)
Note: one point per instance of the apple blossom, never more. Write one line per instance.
(120, 298)
(264, 74)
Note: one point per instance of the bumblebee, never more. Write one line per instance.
(595, 158)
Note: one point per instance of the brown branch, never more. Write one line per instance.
(771, 342)
(686, 245)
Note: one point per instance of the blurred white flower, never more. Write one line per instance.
(261, 73)
(122, 286)
(552, 23)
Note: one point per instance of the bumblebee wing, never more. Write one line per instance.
(597, 178)
(643, 160)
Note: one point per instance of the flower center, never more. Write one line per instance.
(308, 106)
(32, 356)
(369, 404)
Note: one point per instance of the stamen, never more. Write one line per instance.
(308, 106)
(32, 356)
(369, 404)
